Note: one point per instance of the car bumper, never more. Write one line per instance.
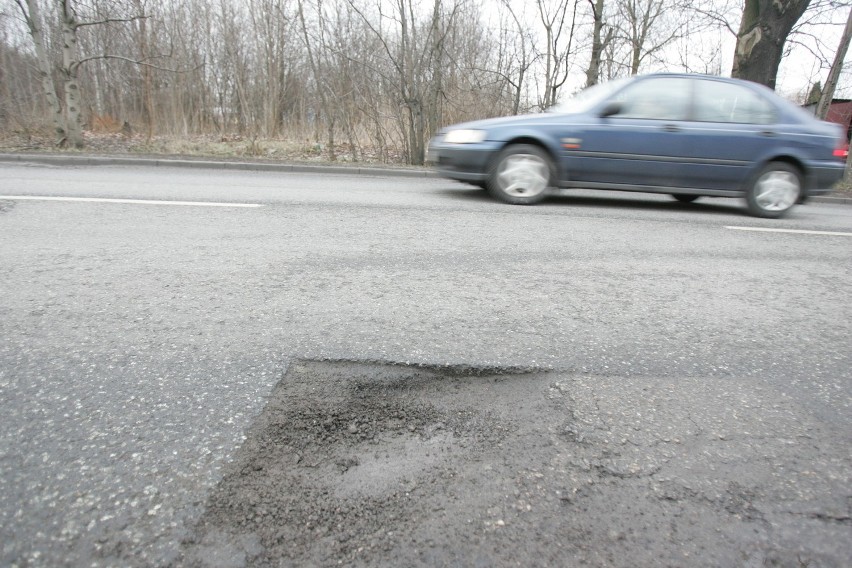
(823, 176)
(463, 162)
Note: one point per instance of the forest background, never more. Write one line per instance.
(368, 80)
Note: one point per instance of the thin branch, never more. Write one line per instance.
(378, 35)
(717, 18)
(135, 62)
(818, 56)
(112, 21)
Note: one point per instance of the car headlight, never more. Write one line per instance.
(464, 136)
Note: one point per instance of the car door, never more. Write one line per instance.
(639, 146)
(732, 127)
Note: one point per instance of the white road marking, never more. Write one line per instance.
(795, 231)
(131, 201)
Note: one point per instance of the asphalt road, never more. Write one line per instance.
(140, 341)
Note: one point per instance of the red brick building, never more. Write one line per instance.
(839, 112)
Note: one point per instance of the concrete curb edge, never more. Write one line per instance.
(83, 160)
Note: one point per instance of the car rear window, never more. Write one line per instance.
(716, 101)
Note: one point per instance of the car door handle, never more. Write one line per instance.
(671, 128)
(768, 133)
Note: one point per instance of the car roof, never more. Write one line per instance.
(695, 76)
(788, 109)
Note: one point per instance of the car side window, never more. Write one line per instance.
(716, 101)
(664, 98)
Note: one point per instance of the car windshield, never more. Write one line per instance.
(588, 98)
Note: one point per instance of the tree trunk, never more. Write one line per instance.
(548, 55)
(415, 133)
(523, 65)
(760, 40)
(147, 98)
(70, 66)
(410, 87)
(834, 74)
(436, 87)
(33, 19)
(519, 88)
(593, 72)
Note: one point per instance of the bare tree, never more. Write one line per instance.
(66, 118)
(646, 27)
(554, 19)
(517, 39)
(321, 85)
(21, 105)
(415, 49)
(599, 42)
(32, 16)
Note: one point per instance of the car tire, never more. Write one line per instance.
(685, 197)
(775, 190)
(520, 175)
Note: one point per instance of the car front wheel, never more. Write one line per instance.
(520, 175)
(777, 188)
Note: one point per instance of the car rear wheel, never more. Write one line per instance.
(684, 198)
(777, 188)
(520, 175)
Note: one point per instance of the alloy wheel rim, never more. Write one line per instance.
(777, 190)
(523, 175)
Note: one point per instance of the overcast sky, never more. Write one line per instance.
(810, 49)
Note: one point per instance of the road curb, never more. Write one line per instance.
(834, 200)
(83, 160)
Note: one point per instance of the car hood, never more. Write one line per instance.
(490, 123)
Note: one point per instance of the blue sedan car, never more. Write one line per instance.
(684, 135)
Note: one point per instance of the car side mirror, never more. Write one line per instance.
(610, 109)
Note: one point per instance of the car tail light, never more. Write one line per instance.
(842, 150)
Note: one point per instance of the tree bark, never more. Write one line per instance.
(436, 61)
(147, 97)
(593, 72)
(70, 66)
(760, 41)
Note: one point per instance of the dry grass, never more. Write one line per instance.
(843, 188)
(228, 147)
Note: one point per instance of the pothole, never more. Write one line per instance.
(346, 457)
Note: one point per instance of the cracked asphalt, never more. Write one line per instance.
(604, 380)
